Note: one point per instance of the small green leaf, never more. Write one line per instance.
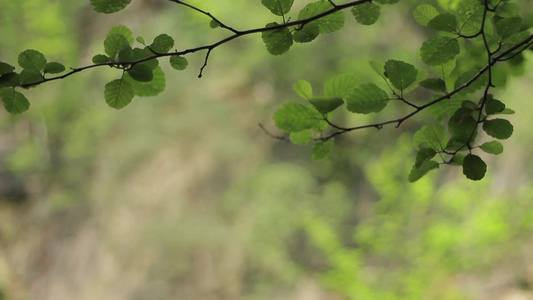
(277, 41)
(444, 22)
(162, 43)
(100, 59)
(424, 13)
(400, 74)
(32, 60)
(431, 136)
(141, 40)
(507, 111)
(434, 84)
(304, 89)
(308, 33)
(321, 150)
(113, 43)
(474, 168)
(293, 117)
(214, 24)
(498, 128)
(417, 173)
(326, 105)
(367, 98)
(341, 85)
(53, 68)
(122, 30)
(439, 50)
(109, 6)
(118, 93)
(148, 89)
(278, 7)
(303, 137)
(327, 24)
(423, 156)
(6, 68)
(366, 13)
(14, 102)
(141, 72)
(493, 147)
(125, 54)
(179, 62)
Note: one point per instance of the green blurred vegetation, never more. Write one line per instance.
(182, 196)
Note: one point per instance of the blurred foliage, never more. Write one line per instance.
(183, 196)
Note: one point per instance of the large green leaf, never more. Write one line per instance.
(400, 74)
(307, 33)
(122, 30)
(294, 117)
(326, 24)
(14, 102)
(141, 72)
(113, 43)
(431, 136)
(109, 6)
(444, 22)
(326, 105)
(118, 93)
(32, 60)
(474, 168)
(445, 108)
(340, 85)
(424, 13)
(498, 128)
(148, 89)
(366, 13)
(439, 50)
(278, 7)
(367, 98)
(277, 41)
(470, 14)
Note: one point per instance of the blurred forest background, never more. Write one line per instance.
(182, 196)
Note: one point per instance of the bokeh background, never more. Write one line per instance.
(183, 196)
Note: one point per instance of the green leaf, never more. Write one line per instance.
(474, 168)
(10, 80)
(118, 93)
(113, 43)
(30, 77)
(122, 30)
(162, 43)
(444, 22)
(139, 53)
(423, 156)
(434, 84)
(303, 137)
(378, 67)
(507, 111)
(492, 147)
(148, 89)
(307, 33)
(340, 85)
(498, 128)
(326, 105)
(141, 72)
(470, 13)
(508, 9)
(32, 60)
(277, 41)
(179, 62)
(214, 24)
(53, 68)
(304, 89)
(321, 150)
(433, 136)
(14, 102)
(439, 50)
(125, 54)
(508, 26)
(6, 68)
(493, 106)
(109, 6)
(367, 98)
(400, 74)
(100, 59)
(457, 159)
(444, 109)
(327, 24)
(293, 117)
(141, 40)
(479, 83)
(424, 13)
(461, 125)
(366, 13)
(417, 173)
(514, 39)
(278, 7)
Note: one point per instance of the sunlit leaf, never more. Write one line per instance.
(492, 147)
(304, 89)
(277, 41)
(366, 13)
(118, 93)
(293, 117)
(122, 30)
(327, 24)
(367, 98)
(400, 74)
(431, 136)
(424, 13)
(340, 85)
(113, 43)
(278, 7)
(438, 50)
